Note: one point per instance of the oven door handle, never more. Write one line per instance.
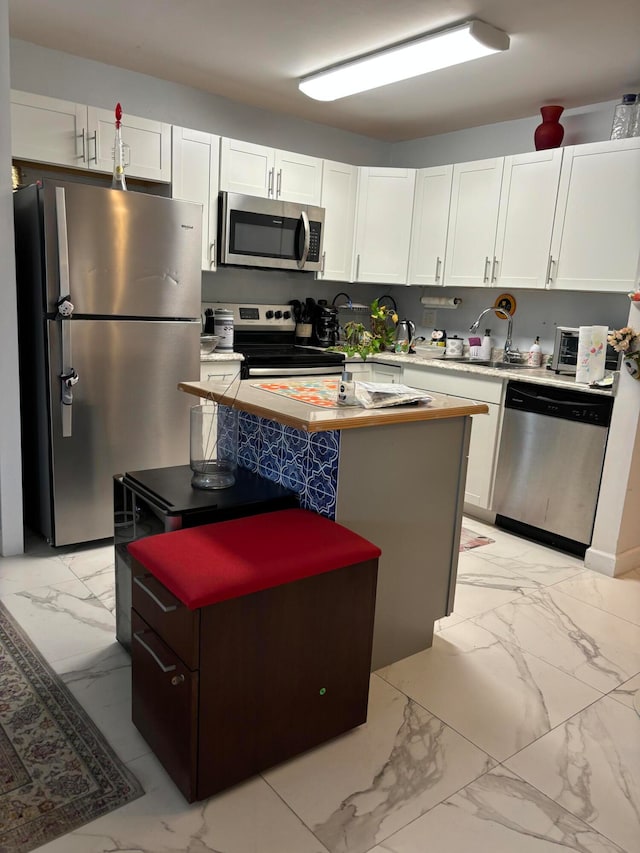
(307, 239)
(335, 369)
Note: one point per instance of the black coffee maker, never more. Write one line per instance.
(325, 324)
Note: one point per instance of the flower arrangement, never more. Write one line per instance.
(362, 341)
(623, 340)
(627, 341)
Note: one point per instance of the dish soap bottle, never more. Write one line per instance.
(535, 354)
(486, 346)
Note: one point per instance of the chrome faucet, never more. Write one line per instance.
(510, 354)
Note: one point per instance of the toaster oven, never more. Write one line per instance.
(565, 352)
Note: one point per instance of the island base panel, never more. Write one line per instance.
(402, 487)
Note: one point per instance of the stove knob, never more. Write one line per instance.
(269, 315)
(286, 315)
(278, 315)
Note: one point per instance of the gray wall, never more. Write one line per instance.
(591, 123)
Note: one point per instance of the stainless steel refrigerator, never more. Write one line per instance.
(109, 295)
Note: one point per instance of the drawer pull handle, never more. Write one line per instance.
(166, 608)
(163, 666)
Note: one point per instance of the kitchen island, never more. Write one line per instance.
(396, 476)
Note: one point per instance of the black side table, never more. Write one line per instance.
(160, 500)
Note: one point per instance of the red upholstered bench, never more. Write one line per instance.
(251, 642)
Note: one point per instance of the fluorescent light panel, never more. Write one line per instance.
(470, 40)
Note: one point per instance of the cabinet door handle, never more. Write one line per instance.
(166, 608)
(212, 255)
(324, 256)
(95, 147)
(549, 278)
(84, 147)
(165, 667)
(270, 182)
(438, 265)
(357, 267)
(279, 184)
(494, 267)
(485, 277)
(126, 150)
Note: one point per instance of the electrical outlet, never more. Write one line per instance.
(428, 318)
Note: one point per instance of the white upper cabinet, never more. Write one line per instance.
(47, 130)
(473, 216)
(383, 224)
(597, 226)
(430, 222)
(147, 145)
(269, 173)
(339, 188)
(195, 178)
(525, 219)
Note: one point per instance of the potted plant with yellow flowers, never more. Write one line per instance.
(379, 337)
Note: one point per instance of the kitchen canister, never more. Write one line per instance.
(454, 347)
(223, 328)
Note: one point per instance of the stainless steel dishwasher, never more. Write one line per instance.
(550, 463)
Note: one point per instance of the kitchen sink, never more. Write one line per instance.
(504, 365)
(499, 365)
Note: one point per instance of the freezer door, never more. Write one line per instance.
(127, 414)
(120, 253)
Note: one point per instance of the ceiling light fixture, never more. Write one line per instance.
(431, 52)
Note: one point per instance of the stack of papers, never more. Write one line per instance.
(378, 395)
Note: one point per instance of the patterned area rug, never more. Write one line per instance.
(56, 770)
(469, 539)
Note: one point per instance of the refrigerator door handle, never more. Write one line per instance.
(68, 376)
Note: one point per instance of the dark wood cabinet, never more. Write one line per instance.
(226, 691)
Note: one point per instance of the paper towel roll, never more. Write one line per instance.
(440, 302)
(592, 351)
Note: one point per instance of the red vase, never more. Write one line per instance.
(549, 134)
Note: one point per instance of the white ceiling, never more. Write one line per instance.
(569, 52)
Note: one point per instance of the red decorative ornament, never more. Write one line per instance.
(549, 134)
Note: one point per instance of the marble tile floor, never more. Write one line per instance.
(514, 733)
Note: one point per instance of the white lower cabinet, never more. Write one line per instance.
(386, 373)
(219, 371)
(485, 431)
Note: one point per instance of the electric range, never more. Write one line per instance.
(265, 336)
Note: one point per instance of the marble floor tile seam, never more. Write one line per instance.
(537, 596)
(583, 600)
(291, 809)
(442, 718)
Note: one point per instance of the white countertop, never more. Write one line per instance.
(538, 375)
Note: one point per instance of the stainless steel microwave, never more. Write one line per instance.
(565, 352)
(264, 232)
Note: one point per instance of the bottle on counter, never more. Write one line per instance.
(623, 117)
(535, 354)
(347, 390)
(486, 346)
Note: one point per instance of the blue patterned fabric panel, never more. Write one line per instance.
(305, 463)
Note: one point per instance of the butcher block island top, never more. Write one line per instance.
(244, 395)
